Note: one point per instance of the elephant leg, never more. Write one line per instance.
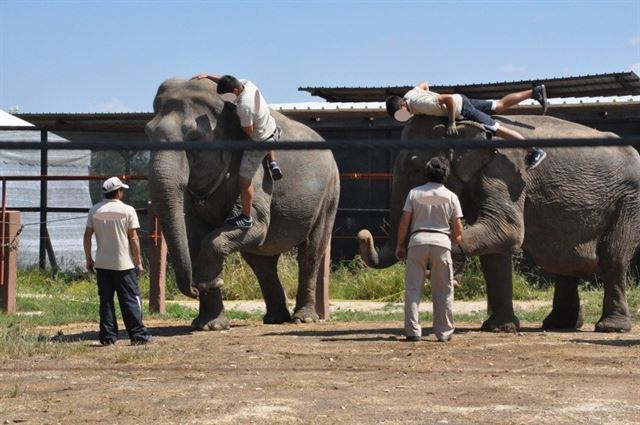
(566, 312)
(615, 252)
(207, 269)
(211, 315)
(497, 270)
(310, 254)
(266, 270)
(615, 313)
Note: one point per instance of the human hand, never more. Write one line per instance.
(90, 265)
(199, 77)
(452, 130)
(139, 269)
(401, 253)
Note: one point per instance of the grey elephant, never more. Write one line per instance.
(193, 192)
(575, 215)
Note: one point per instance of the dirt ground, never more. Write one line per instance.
(329, 373)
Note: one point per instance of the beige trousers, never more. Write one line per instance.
(438, 259)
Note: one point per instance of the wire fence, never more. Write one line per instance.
(242, 145)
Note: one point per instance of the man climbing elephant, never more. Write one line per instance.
(421, 101)
(258, 124)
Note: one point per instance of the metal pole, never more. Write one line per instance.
(44, 166)
(2, 240)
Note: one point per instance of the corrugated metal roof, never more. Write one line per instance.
(615, 84)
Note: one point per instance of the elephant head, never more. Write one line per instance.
(409, 172)
(185, 111)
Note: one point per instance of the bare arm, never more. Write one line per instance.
(403, 228)
(214, 78)
(86, 243)
(134, 243)
(448, 102)
(457, 231)
(248, 130)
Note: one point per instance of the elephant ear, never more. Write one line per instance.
(467, 163)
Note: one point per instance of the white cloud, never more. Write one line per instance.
(109, 105)
(513, 69)
(635, 40)
(635, 68)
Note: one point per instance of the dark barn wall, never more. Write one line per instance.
(364, 202)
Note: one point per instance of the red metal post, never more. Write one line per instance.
(157, 264)
(10, 227)
(322, 284)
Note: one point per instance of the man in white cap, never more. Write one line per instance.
(117, 263)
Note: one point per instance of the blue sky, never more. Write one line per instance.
(110, 56)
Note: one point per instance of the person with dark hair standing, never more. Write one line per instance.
(421, 101)
(117, 263)
(428, 212)
(258, 124)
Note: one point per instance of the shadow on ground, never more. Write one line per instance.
(164, 331)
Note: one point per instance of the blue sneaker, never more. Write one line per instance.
(535, 157)
(276, 172)
(241, 221)
(540, 96)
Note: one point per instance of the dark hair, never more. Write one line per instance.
(437, 169)
(112, 194)
(227, 83)
(394, 104)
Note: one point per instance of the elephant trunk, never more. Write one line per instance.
(377, 258)
(381, 258)
(168, 174)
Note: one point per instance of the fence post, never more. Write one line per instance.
(322, 284)
(157, 264)
(44, 171)
(9, 269)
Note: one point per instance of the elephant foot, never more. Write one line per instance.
(305, 315)
(205, 322)
(277, 318)
(217, 283)
(614, 324)
(497, 324)
(562, 321)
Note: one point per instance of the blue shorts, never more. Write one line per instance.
(479, 111)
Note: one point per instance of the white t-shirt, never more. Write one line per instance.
(253, 110)
(424, 102)
(111, 221)
(433, 207)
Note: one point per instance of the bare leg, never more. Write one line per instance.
(512, 99)
(271, 156)
(509, 134)
(246, 195)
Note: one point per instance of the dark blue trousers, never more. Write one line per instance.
(125, 284)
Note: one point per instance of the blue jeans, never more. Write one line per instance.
(479, 111)
(125, 284)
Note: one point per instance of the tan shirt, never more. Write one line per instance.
(432, 207)
(424, 102)
(111, 221)
(253, 110)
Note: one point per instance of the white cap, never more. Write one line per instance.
(113, 183)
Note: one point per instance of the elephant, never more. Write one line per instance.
(194, 191)
(576, 214)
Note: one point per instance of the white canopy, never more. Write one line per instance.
(65, 229)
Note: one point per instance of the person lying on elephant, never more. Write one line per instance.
(421, 101)
(258, 124)
(428, 211)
